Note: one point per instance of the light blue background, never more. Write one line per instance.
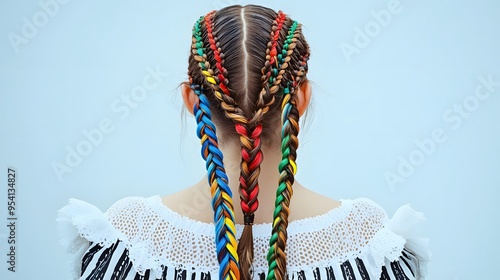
(368, 111)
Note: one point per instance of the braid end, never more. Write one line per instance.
(245, 253)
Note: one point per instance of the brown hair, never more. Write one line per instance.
(248, 62)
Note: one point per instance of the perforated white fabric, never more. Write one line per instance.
(156, 236)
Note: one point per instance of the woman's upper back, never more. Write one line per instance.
(358, 232)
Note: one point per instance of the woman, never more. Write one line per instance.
(247, 89)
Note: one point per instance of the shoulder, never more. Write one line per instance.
(124, 229)
(359, 230)
(312, 204)
(131, 207)
(357, 221)
(132, 216)
(367, 208)
(364, 214)
(133, 202)
(402, 232)
(80, 210)
(82, 218)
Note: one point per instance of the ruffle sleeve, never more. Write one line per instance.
(79, 224)
(402, 233)
(126, 230)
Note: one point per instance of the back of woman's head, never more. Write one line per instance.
(243, 36)
(246, 66)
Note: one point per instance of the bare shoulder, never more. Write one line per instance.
(311, 203)
(192, 202)
(174, 199)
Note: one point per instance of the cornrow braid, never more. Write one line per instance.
(217, 80)
(269, 71)
(250, 159)
(225, 229)
(289, 143)
(252, 155)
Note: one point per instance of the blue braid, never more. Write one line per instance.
(225, 229)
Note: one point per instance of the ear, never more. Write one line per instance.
(304, 94)
(189, 97)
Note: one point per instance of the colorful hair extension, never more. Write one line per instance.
(225, 230)
(289, 143)
(247, 139)
(270, 83)
(250, 152)
(235, 260)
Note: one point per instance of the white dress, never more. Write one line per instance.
(141, 238)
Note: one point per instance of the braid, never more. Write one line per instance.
(269, 71)
(225, 230)
(218, 80)
(287, 167)
(250, 150)
(251, 158)
(252, 155)
(283, 71)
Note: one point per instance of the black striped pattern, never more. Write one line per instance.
(113, 262)
(362, 269)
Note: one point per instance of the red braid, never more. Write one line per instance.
(222, 72)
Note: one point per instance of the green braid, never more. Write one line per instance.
(289, 143)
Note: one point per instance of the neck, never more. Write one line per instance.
(268, 180)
